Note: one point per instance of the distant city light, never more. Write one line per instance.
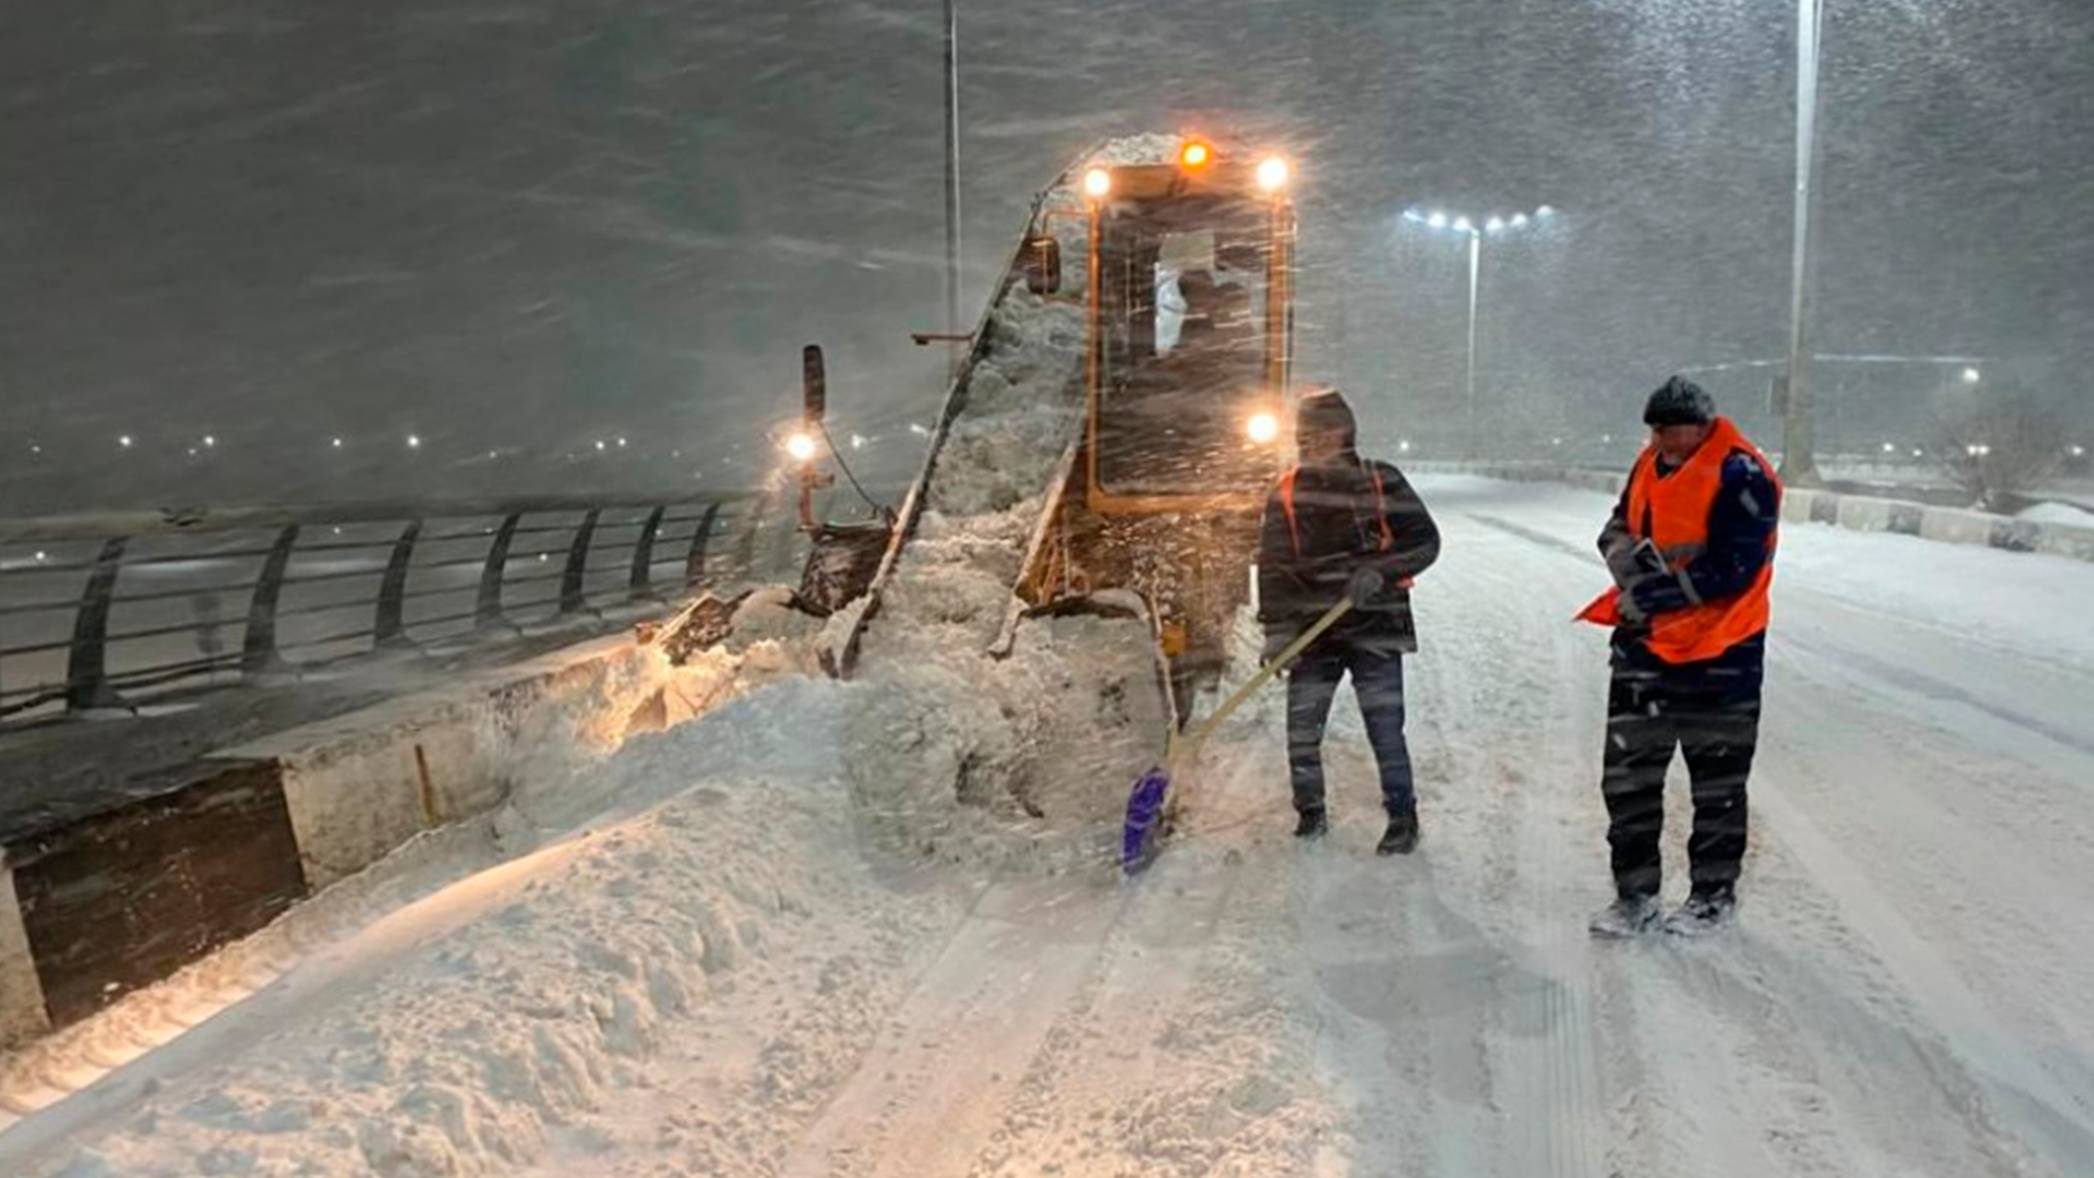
(919, 429)
(210, 440)
(1972, 376)
(1414, 215)
(35, 449)
(1890, 447)
(414, 441)
(1404, 446)
(2079, 451)
(1918, 453)
(599, 444)
(621, 443)
(124, 440)
(1555, 441)
(541, 558)
(860, 441)
(1606, 439)
(491, 453)
(335, 442)
(1977, 450)
(1545, 211)
(192, 451)
(40, 556)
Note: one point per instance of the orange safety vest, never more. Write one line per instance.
(1381, 508)
(1677, 509)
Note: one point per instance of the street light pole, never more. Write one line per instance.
(1475, 231)
(952, 180)
(1475, 266)
(1798, 441)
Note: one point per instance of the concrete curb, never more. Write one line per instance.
(124, 898)
(1860, 513)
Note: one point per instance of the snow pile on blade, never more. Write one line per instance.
(961, 757)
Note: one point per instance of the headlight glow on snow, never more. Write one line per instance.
(1263, 428)
(800, 446)
(1272, 174)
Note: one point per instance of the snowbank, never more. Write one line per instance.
(521, 1008)
(2071, 515)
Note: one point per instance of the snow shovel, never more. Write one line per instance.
(1150, 799)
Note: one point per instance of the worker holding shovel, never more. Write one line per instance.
(1340, 528)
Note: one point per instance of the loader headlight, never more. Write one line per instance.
(1195, 155)
(1097, 183)
(800, 445)
(1262, 428)
(1272, 173)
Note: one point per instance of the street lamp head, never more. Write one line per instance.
(1545, 212)
(1438, 220)
(1494, 224)
(1414, 215)
(1519, 220)
(1462, 224)
(1972, 376)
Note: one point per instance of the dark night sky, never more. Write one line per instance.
(519, 226)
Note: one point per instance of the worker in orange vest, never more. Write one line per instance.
(1691, 546)
(1341, 526)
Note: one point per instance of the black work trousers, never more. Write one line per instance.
(1711, 718)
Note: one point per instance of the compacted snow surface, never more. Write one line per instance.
(742, 962)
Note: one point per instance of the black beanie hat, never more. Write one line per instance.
(1325, 411)
(1679, 401)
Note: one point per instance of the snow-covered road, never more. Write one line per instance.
(723, 976)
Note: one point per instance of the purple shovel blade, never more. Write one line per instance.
(1144, 816)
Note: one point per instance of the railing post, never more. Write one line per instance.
(487, 611)
(571, 597)
(390, 630)
(638, 585)
(694, 564)
(87, 662)
(258, 654)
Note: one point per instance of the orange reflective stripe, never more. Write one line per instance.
(1381, 512)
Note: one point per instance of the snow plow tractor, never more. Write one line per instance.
(1188, 324)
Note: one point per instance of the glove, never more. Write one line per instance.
(1276, 640)
(1366, 585)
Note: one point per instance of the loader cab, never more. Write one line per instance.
(1190, 330)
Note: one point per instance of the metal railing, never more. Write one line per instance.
(97, 611)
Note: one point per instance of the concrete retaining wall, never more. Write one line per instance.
(1861, 513)
(120, 899)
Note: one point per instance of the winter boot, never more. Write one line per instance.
(1312, 825)
(1401, 837)
(1703, 913)
(1628, 916)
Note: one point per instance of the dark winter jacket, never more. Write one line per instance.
(1337, 529)
(1746, 512)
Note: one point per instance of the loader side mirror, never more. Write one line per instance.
(1043, 265)
(814, 385)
